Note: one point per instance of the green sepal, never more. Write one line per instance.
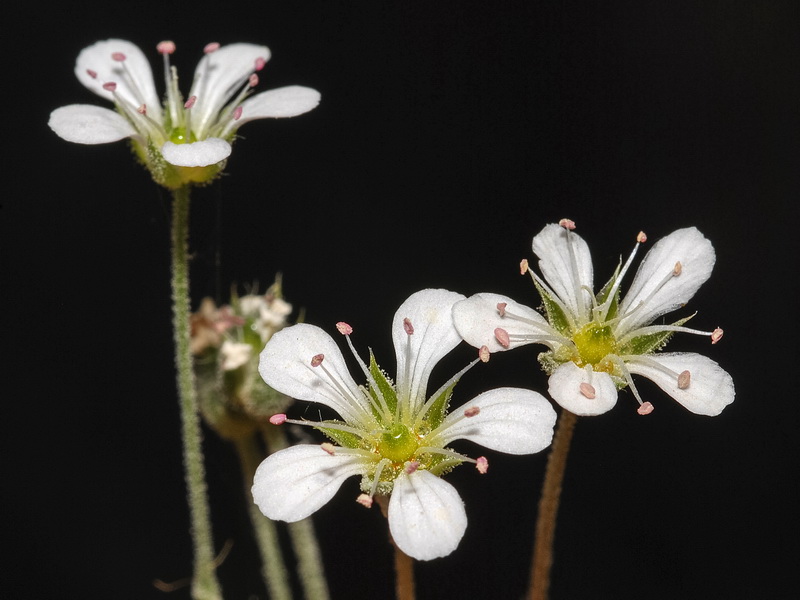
(386, 388)
(437, 411)
(602, 295)
(555, 314)
(343, 438)
(647, 344)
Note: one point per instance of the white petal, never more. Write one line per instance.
(281, 102)
(87, 124)
(294, 483)
(510, 420)
(710, 387)
(285, 365)
(197, 154)
(430, 314)
(696, 255)
(426, 516)
(134, 78)
(220, 75)
(565, 388)
(552, 246)
(477, 317)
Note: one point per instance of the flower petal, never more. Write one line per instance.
(287, 101)
(477, 318)
(510, 420)
(88, 124)
(294, 483)
(220, 75)
(430, 314)
(571, 282)
(134, 78)
(565, 388)
(197, 154)
(696, 256)
(710, 387)
(426, 516)
(285, 365)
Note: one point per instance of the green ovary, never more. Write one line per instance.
(594, 342)
(398, 444)
(178, 136)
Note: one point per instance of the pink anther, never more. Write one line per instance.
(142, 110)
(645, 409)
(411, 466)
(409, 328)
(523, 266)
(165, 47)
(260, 62)
(472, 411)
(501, 308)
(278, 419)
(329, 448)
(211, 47)
(118, 56)
(190, 102)
(364, 500)
(501, 335)
(344, 328)
(677, 269)
(92, 74)
(642, 237)
(237, 113)
(484, 354)
(567, 224)
(110, 86)
(684, 379)
(317, 359)
(716, 335)
(482, 464)
(253, 80)
(587, 390)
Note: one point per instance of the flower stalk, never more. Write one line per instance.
(548, 507)
(205, 585)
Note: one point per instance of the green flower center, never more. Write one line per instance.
(178, 136)
(398, 444)
(594, 342)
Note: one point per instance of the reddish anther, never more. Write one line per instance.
(118, 56)
(92, 74)
(684, 379)
(165, 47)
(642, 237)
(110, 86)
(588, 391)
(501, 308)
(278, 419)
(411, 466)
(409, 328)
(329, 448)
(142, 110)
(317, 359)
(523, 266)
(190, 102)
(645, 409)
(253, 81)
(501, 335)
(472, 411)
(212, 47)
(237, 113)
(567, 224)
(484, 354)
(260, 62)
(482, 464)
(344, 328)
(716, 335)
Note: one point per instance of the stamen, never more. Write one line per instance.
(684, 379)
(523, 266)
(677, 270)
(165, 47)
(253, 80)
(409, 328)
(211, 47)
(142, 110)
(364, 500)
(472, 411)
(259, 63)
(278, 419)
(645, 409)
(110, 86)
(344, 328)
(118, 56)
(482, 464)
(716, 335)
(190, 102)
(642, 237)
(411, 466)
(237, 113)
(567, 224)
(501, 335)
(587, 390)
(484, 354)
(501, 308)
(317, 359)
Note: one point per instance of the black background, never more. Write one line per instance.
(449, 133)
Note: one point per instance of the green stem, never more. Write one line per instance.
(548, 507)
(204, 581)
(274, 572)
(304, 540)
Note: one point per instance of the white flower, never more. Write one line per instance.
(393, 435)
(597, 342)
(183, 141)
